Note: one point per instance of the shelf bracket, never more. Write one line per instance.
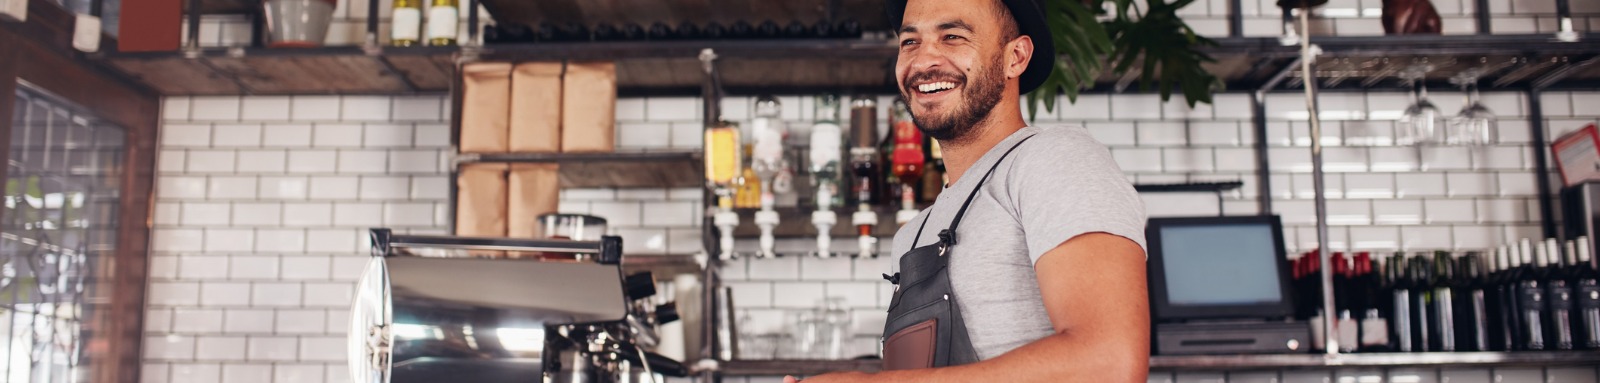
(1563, 72)
(404, 79)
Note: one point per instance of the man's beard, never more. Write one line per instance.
(981, 97)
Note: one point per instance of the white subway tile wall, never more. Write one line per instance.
(263, 202)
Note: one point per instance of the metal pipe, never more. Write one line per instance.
(1308, 57)
(1541, 167)
(1482, 14)
(1258, 107)
(372, 24)
(1236, 18)
(472, 24)
(1564, 18)
(193, 45)
(711, 281)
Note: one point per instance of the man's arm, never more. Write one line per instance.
(1093, 287)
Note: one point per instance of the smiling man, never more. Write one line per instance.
(1030, 265)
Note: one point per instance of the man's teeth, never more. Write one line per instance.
(935, 86)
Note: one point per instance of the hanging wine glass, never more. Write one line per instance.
(1475, 125)
(1422, 123)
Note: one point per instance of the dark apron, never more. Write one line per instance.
(924, 327)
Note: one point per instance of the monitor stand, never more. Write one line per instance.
(1233, 336)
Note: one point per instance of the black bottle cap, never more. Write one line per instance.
(607, 32)
(768, 30)
(666, 313)
(631, 31)
(660, 31)
(822, 29)
(640, 285)
(794, 30)
(688, 31)
(849, 29)
(574, 32)
(492, 34)
(546, 32)
(516, 33)
(713, 30)
(741, 30)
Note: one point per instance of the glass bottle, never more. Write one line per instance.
(444, 18)
(406, 23)
(907, 157)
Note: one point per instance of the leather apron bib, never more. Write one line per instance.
(924, 327)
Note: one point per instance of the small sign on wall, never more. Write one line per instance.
(1578, 155)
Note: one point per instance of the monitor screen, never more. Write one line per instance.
(1218, 268)
(1220, 265)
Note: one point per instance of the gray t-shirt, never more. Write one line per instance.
(1057, 185)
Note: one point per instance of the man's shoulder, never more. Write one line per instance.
(1062, 146)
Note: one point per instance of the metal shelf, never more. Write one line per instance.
(678, 169)
(1224, 362)
(818, 65)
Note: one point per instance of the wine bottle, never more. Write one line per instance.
(688, 31)
(1422, 302)
(768, 30)
(848, 29)
(1345, 302)
(660, 31)
(822, 29)
(573, 32)
(1472, 312)
(607, 32)
(1374, 323)
(444, 22)
(1586, 282)
(741, 30)
(1558, 298)
(406, 23)
(1442, 320)
(794, 30)
(547, 32)
(713, 31)
(1401, 295)
(1530, 297)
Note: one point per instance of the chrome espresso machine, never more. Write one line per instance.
(482, 310)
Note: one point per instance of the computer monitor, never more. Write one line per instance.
(1218, 268)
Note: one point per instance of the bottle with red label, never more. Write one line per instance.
(907, 160)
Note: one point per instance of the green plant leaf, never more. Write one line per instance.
(1155, 41)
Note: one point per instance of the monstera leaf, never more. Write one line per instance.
(1147, 36)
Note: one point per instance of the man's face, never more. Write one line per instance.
(951, 64)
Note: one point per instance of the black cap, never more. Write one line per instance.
(1030, 22)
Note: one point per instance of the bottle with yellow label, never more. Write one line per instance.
(723, 161)
(748, 194)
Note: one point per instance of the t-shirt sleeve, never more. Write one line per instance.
(1066, 185)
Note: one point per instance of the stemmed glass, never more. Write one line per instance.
(1422, 122)
(1475, 125)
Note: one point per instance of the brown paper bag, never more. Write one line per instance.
(485, 107)
(536, 107)
(589, 107)
(481, 200)
(535, 191)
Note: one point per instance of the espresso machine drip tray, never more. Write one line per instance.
(491, 319)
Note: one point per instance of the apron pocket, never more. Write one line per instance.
(918, 335)
(912, 347)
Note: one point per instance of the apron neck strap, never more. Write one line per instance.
(947, 237)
